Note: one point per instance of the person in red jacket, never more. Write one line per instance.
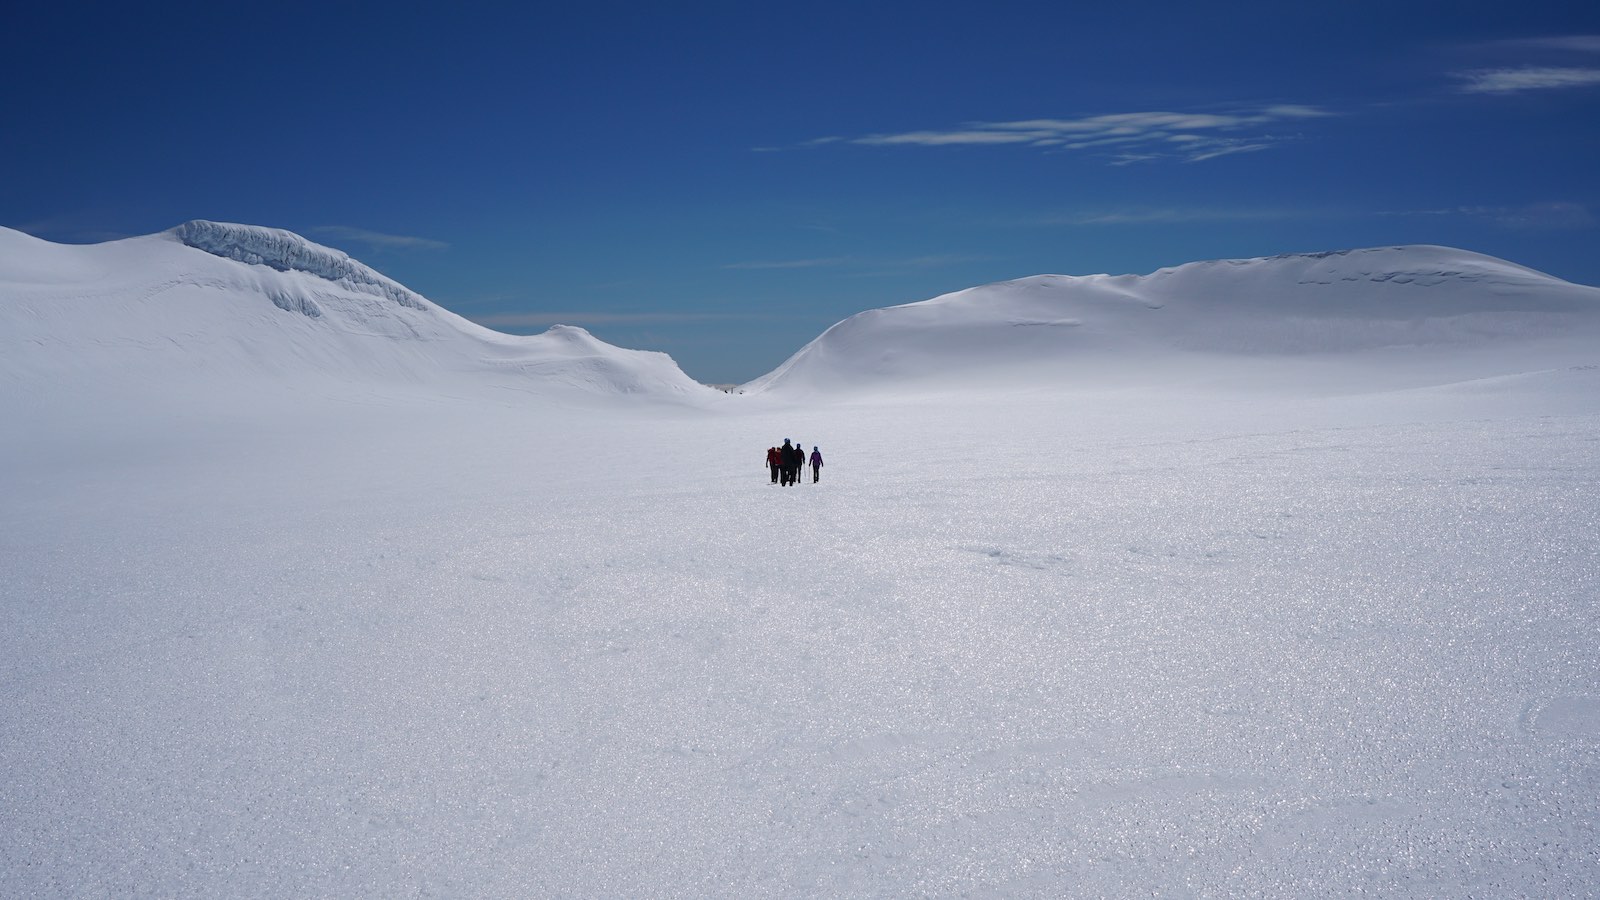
(774, 459)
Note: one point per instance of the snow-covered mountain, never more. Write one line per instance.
(300, 598)
(1395, 316)
(225, 304)
(210, 310)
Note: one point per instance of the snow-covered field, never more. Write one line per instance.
(278, 621)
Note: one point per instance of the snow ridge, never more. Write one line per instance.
(286, 251)
(149, 313)
(1461, 314)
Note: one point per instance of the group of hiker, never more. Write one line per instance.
(788, 463)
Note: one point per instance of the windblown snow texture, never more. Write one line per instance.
(1263, 578)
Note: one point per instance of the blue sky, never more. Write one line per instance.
(723, 181)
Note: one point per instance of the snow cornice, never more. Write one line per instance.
(286, 251)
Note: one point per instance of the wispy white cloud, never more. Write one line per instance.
(1547, 215)
(1129, 159)
(1576, 43)
(1527, 78)
(377, 240)
(1227, 148)
(976, 135)
(1140, 136)
(1567, 43)
(1554, 215)
(1518, 65)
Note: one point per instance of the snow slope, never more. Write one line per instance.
(369, 603)
(216, 309)
(1408, 315)
(232, 307)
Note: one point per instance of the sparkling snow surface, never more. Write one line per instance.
(1035, 648)
(282, 628)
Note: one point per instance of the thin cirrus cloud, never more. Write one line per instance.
(1576, 43)
(1548, 63)
(1555, 215)
(1125, 137)
(1527, 78)
(377, 240)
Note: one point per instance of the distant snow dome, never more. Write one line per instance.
(1404, 310)
(211, 298)
(262, 308)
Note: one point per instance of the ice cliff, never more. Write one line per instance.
(289, 252)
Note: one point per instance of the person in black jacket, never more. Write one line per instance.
(788, 454)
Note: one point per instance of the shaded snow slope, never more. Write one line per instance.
(1398, 317)
(209, 304)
